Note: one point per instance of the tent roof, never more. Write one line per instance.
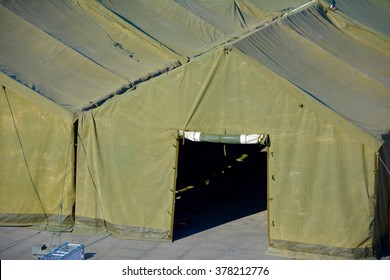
(80, 53)
(374, 14)
(75, 53)
(349, 78)
(190, 27)
(279, 6)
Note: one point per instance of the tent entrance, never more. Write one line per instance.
(218, 183)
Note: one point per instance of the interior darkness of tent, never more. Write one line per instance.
(218, 183)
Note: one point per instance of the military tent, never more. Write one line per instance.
(49, 73)
(96, 94)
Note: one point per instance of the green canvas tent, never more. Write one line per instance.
(372, 14)
(191, 27)
(48, 74)
(91, 114)
(349, 83)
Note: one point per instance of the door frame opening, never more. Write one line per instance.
(218, 181)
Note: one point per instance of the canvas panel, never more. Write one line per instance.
(313, 163)
(99, 35)
(191, 28)
(284, 6)
(136, 167)
(170, 24)
(330, 210)
(359, 33)
(78, 67)
(50, 68)
(239, 96)
(322, 159)
(36, 173)
(373, 14)
(360, 98)
(314, 25)
(231, 17)
(124, 180)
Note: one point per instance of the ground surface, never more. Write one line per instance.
(240, 239)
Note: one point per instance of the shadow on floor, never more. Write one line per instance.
(217, 184)
(89, 255)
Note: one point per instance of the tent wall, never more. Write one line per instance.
(81, 144)
(322, 185)
(322, 191)
(125, 175)
(37, 157)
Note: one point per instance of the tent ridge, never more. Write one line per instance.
(128, 87)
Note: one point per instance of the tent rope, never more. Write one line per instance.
(60, 207)
(24, 157)
(384, 165)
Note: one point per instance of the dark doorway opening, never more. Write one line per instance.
(218, 183)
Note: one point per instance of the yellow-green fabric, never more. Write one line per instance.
(190, 28)
(90, 114)
(36, 170)
(332, 210)
(322, 186)
(232, 17)
(80, 53)
(372, 14)
(351, 97)
(279, 6)
(74, 52)
(323, 67)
